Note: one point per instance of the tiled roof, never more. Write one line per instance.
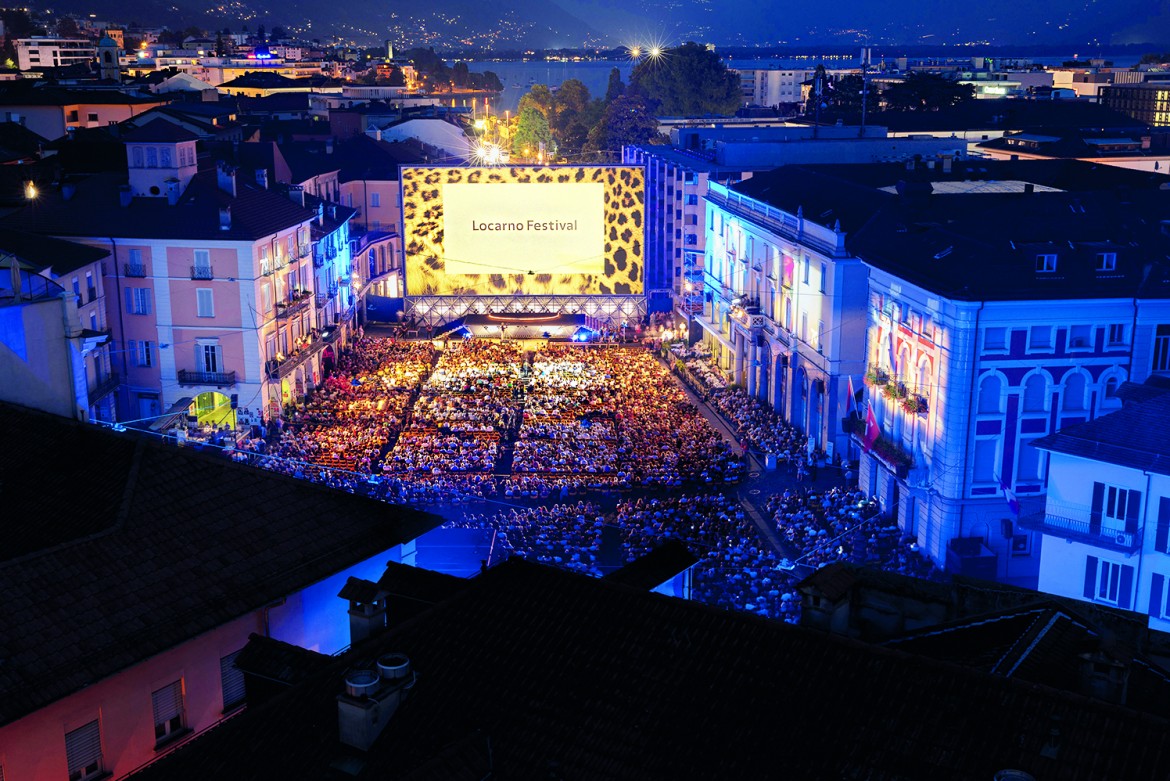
(823, 199)
(16, 93)
(983, 247)
(158, 131)
(118, 547)
(576, 678)
(1133, 436)
(61, 256)
(279, 661)
(656, 567)
(94, 210)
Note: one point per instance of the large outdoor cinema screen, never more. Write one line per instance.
(533, 230)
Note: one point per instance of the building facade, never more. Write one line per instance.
(46, 52)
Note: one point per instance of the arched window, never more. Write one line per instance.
(1035, 393)
(1074, 392)
(990, 394)
(151, 157)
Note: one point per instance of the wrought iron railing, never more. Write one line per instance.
(219, 379)
(1073, 523)
(134, 269)
(201, 272)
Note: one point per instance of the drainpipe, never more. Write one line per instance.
(121, 325)
(972, 402)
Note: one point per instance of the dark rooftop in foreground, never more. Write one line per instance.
(536, 673)
(62, 257)
(119, 546)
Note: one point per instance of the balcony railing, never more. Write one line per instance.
(218, 379)
(104, 387)
(134, 269)
(304, 250)
(279, 368)
(201, 272)
(1072, 523)
(293, 308)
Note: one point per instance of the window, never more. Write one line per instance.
(1107, 581)
(807, 264)
(803, 327)
(990, 395)
(136, 157)
(375, 200)
(151, 157)
(137, 300)
(1040, 337)
(821, 336)
(1074, 392)
(1117, 334)
(1161, 349)
(1106, 261)
(205, 303)
(83, 751)
(1035, 393)
(165, 156)
(1046, 264)
(266, 298)
(985, 450)
(72, 116)
(824, 276)
(168, 711)
(232, 682)
(1080, 337)
(143, 352)
(1030, 466)
(1162, 530)
(93, 117)
(994, 339)
(90, 288)
(209, 357)
(77, 288)
(1158, 606)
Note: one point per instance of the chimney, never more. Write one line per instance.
(367, 608)
(370, 699)
(297, 194)
(262, 177)
(320, 213)
(174, 190)
(225, 217)
(67, 190)
(226, 178)
(946, 161)
(329, 146)
(125, 195)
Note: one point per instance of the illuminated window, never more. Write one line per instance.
(168, 711)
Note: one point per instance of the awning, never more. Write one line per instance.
(170, 417)
(714, 331)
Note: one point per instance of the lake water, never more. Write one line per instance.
(519, 76)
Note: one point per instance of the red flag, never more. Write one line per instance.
(851, 404)
(871, 429)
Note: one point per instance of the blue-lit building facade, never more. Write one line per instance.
(994, 321)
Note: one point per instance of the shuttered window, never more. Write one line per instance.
(232, 680)
(168, 709)
(83, 751)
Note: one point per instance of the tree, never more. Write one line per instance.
(460, 75)
(927, 92)
(1154, 58)
(538, 97)
(491, 82)
(67, 27)
(396, 78)
(220, 46)
(278, 34)
(616, 87)
(531, 131)
(626, 120)
(686, 81)
(845, 95)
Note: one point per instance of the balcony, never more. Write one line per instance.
(104, 387)
(201, 272)
(294, 307)
(280, 367)
(218, 379)
(134, 269)
(1071, 522)
(304, 250)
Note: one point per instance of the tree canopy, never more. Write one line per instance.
(531, 131)
(688, 80)
(626, 120)
(926, 92)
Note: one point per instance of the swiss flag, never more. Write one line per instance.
(871, 429)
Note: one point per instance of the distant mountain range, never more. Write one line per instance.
(512, 24)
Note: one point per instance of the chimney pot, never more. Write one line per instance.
(226, 178)
(262, 177)
(225, 218)
(125, 195)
